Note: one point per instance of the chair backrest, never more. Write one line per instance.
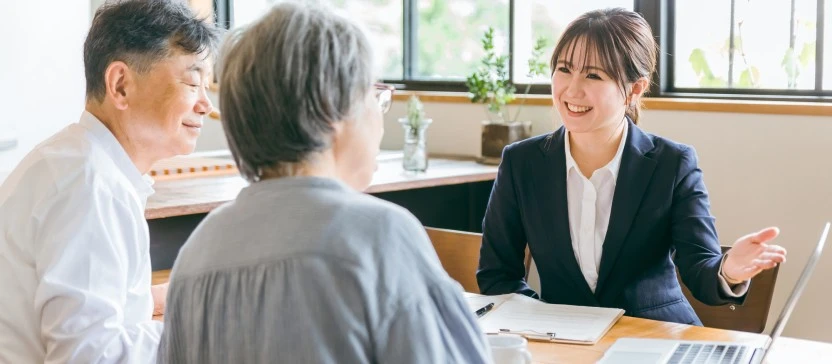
(751, 316)
(459, 253)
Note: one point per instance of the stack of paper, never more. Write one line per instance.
(537, 320)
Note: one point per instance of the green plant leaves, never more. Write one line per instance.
(749, 77)
(490, 84)
(702, 69)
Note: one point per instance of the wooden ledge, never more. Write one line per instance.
(186, 196)
(656, 103)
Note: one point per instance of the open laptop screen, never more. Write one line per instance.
(798, 289)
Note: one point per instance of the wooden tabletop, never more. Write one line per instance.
(785, 350)
(543, 352)
(199, 195)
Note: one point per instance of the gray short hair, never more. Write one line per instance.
(140, 33)
(284, 81)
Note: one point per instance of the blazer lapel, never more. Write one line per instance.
(555, 211)
(633, 177)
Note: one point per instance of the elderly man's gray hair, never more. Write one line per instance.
(285, 79)
(141, 32)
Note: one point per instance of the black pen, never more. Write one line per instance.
(481, 312)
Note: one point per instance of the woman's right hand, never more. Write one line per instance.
(751, 254)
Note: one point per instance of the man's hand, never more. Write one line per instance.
(751, 254)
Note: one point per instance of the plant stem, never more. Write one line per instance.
(731, 46)
(488, 112)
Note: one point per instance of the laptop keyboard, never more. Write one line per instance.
(707, 354)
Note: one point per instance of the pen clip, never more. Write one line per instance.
(531, 333)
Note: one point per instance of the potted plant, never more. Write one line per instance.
(415, 157)
(490, 85)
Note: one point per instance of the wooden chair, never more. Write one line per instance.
(750, 316)
(459, 253)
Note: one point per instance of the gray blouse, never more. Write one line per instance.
(306, 270)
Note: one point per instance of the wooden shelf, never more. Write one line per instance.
(186, 196)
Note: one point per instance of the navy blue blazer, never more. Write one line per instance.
(660, 206)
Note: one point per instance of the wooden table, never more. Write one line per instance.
(544, 352)
(785, 350)
(200, 195)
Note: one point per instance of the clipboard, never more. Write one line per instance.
(539, 321)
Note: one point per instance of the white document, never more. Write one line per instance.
(478, 301)
(537, 320)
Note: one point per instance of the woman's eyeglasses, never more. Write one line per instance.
(384, 94)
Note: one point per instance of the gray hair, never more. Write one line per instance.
(285, 80)
(140, 33)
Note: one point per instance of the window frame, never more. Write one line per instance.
(660, 14)
(224, 13)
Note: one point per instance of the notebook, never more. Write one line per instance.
(536, 320)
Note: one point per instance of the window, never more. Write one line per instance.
(448, 34)
(547, 19)
(383, 20)
(435, 44)
(756, 49)
(747, 46)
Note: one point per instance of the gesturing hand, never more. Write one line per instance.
(751, 254)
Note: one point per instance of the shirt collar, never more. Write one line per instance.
(612, 166)
(105, 138)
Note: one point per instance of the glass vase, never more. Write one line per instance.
(415, 154)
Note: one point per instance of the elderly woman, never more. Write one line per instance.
(302, 267)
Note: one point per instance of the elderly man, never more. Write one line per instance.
(74, 259)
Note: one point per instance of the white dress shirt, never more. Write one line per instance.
(74, 254)
(589, 202)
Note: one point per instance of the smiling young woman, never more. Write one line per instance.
(607, 210)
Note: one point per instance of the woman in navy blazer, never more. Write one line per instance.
(656, 205)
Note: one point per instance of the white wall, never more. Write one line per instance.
(41, 70)
(768, 170)
(42, 74)
(760, 170)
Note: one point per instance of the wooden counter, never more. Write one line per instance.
(200, 195)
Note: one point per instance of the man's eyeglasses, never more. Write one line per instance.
(384, 94)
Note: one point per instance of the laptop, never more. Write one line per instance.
(661, 351)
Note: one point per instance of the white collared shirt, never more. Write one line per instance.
(590, 203)
(74, 254)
